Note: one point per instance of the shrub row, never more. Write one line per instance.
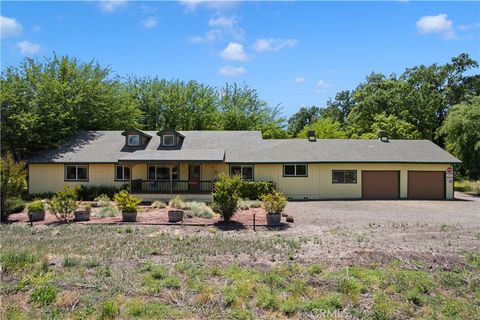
(89, 193)
(254, 190)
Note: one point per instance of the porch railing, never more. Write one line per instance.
(173, 186)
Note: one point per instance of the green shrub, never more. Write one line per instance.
(105, 212)
(17, 260)
(36, 206)
(126, 201)
(102, 200)
(468, 186)
(177, 202)
(89, 193)
(69, 262)
(159, 272)
(199, 209)
(158, 205)
(274, 203)
(14, 205)
(225, 195)
(44, 295)
(64, 203)
(254, 190)
(109, 309)
(45, 195)
(13, 181)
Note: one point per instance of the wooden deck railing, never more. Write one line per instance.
(173, 186)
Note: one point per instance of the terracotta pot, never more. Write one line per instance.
(273, 219)
(82, 215)
(175, 215)
(36, 216)
(129, 216)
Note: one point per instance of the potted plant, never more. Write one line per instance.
(175, 210)
(83, 213)
(128, 204)
(274, 203)
(36, 211)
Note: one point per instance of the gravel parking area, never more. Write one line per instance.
(355, 232)
(464, 211)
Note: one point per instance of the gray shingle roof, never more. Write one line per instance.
(243, 147)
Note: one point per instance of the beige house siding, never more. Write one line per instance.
(50, 177)
(318, 184)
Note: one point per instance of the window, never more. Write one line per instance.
(245, 171)
(133, 140)
(168, 140)
(122, 173)
(344, 176)
(162, 172)
(295, 170)
(76, 172)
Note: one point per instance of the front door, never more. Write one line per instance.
(194, 177)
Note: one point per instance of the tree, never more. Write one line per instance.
(241, 108)
(304, 117)
(13, 181)
(325, 128)
(175, 104)
(461, 130)
(45, 103)
(339, 108)
(395, 127)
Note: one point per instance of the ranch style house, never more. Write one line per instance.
(158, 165)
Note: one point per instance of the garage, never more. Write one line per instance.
(380, 184)
(426, 185)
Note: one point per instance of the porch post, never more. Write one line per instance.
(130, 166)
(170, 168)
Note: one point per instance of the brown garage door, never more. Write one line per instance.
(380, 185)
(426, 185)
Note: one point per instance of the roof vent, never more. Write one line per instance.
(383, 135)
(311, 135)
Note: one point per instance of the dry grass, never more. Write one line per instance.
(88, 271)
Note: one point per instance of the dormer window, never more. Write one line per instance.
(133, 140)
(168, 140)
(136, 138)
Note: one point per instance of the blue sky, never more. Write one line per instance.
(294, 53)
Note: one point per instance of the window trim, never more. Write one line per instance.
(76, 172)
(295, 166)
(344, 171)
(173, 140)
(134, 145)
(162, 165)
(123, 172)
(241, 170)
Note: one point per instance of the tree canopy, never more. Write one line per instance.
(44, 102)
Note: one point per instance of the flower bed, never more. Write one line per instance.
(154, 216)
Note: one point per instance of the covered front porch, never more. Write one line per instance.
(160, 178)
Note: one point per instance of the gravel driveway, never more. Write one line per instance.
(464, 211)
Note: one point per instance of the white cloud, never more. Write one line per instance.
(224, 27)
(192, 5)
(436, 24)
(230, 71)
(147, 9)
(210, 36)
(273, 44)
(223, 21)
(299, 79)
(149, 22)
(28, 48)
(322, 85)
(112, 5)
(234, 52)
(9, 27)
(466, 27)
